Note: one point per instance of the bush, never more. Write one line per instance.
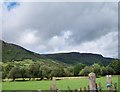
(103, 71)
(85, 71)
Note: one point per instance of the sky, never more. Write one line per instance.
(44, 27)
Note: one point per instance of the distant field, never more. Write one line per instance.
(61, 84)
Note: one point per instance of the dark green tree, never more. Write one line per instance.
(96, 69)
(103, 71)
(115, 65)
(24, 73)
(15, 73)
(77, 68)
(57, 72)
(33, 70)
(4, 75)
(86, 71)
(46, 71)
(8, 67)
(110, 70)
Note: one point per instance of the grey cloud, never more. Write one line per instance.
(86, 22)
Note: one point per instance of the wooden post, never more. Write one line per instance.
(53, 87)
(88, 88)
(109, 82)
(39, 90)
(96, 88)
(76, 90)
(92, 81)
(80, 89)
(100, 87)
(84, 89)
(115, 87)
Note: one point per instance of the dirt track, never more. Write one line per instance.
(57, 78)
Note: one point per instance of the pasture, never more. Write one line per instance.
(63, 84)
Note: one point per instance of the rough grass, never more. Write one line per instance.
(61, 84)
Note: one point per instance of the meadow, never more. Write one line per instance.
(64, 84)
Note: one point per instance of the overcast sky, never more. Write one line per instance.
(62, 27)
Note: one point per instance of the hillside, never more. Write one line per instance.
(12, 52)
(76, 57)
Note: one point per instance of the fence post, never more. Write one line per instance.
(80, 89)
(96, 87)
(88, 88)
(53, 87)
(115, 87)
(84, 89)
(100, 88)
(92, 82)
(109, 82)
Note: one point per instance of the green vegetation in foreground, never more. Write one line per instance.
(61, 84)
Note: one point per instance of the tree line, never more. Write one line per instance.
(37, 70)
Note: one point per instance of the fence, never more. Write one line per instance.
(92, 87)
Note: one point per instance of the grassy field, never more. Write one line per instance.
(61, 84)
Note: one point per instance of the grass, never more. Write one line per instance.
(61, 84)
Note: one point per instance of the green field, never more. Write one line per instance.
(61, 84)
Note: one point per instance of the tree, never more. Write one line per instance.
(39, 75)
(85, 71)
(110, 71)
(24, 73)
(69, 71)
(46, 71)
(4, 75)
(57, 72)
(33, 70)
(96, 69)
(77, 68)
(115, 65)
(15, 73)
(103, 71)
(8, 67)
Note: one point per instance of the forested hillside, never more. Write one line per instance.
(12, 52)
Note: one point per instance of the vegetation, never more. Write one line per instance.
(20, 64)
(12, 52)
(41, 70)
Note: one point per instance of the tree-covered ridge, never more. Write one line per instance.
(76, 57)
(12, 52)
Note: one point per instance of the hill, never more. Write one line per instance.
(12, 52)
(76, 57)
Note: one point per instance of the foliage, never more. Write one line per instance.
(115, 65)
(15, 73)
(104, 71)
(77, 68)
(96, 69)
(69, 71)
(12, 52)
(47, 69)
(85, 71)
(110, 71)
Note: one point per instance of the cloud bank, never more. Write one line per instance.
(63, 27)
